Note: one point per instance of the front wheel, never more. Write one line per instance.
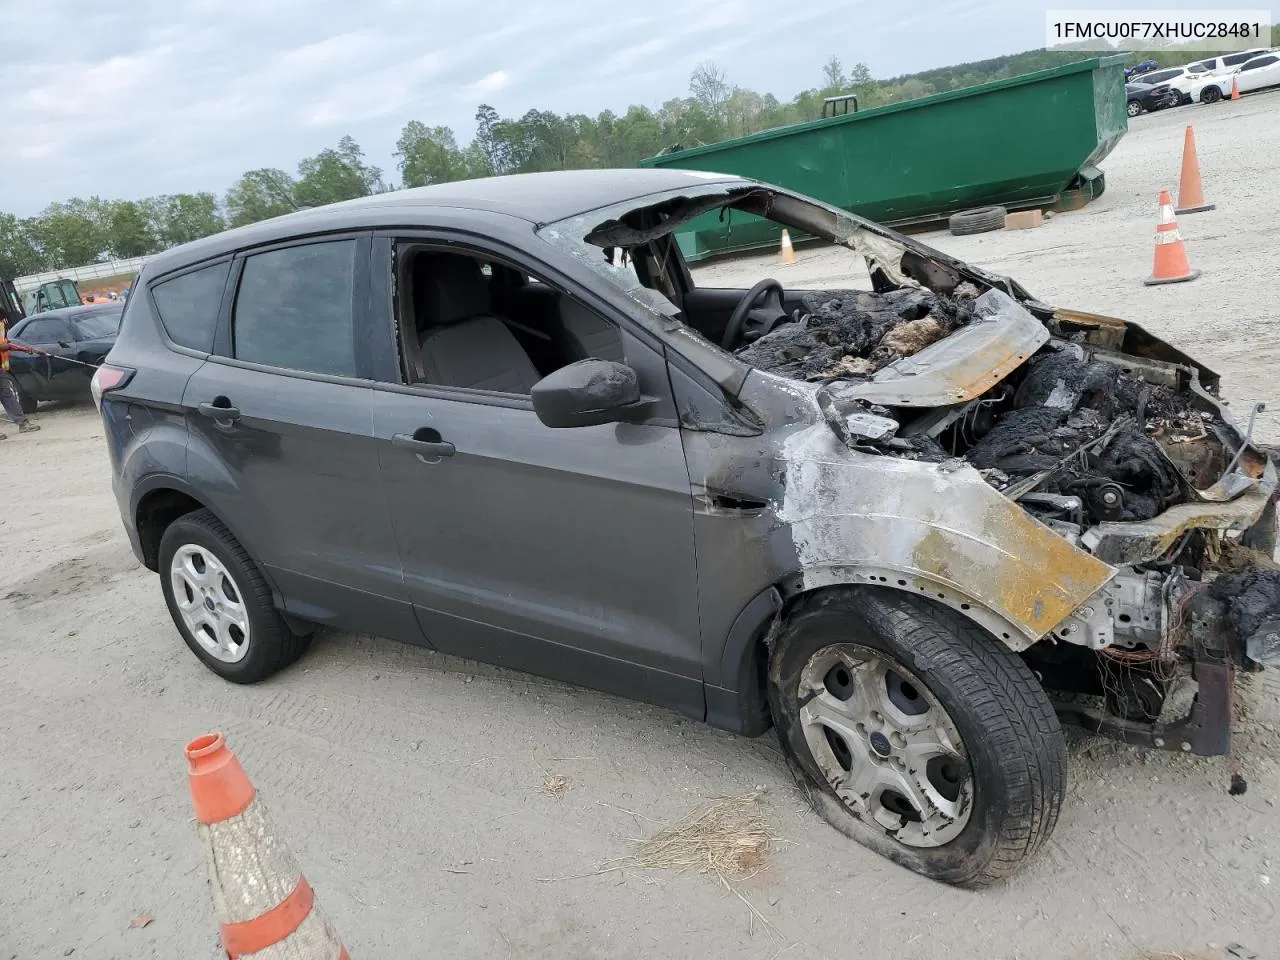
(1134, 108)
(220, 602)
(922, 737)
(1210, 95)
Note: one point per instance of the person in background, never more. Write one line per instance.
(9, 387)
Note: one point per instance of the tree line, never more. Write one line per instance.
(80, 231)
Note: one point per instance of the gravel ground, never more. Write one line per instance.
(408, 783)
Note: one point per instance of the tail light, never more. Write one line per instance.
(107, 378)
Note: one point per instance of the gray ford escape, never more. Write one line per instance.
(910, 521)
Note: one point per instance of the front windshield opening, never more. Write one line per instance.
(821, 295)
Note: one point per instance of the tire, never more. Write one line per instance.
(1210, 94)
(980, 220)
(1009, 734)
(268, 643)
(1133, 109)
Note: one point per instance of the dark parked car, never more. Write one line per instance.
(67, 338)
(902, 525)
(1148, 97)
(1137, 70)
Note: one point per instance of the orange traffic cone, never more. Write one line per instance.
(1190, 189)
(787, 256)
(1171, 264)
(1235, 87)
(260, 897)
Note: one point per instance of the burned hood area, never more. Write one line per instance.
(1075, 434)
(1081, 434)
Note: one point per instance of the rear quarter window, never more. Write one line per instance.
(188, 305)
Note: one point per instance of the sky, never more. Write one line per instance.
(134, 98)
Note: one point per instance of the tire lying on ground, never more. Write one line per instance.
(917, 733)
(979, 220)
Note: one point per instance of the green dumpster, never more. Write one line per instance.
(1028, 141)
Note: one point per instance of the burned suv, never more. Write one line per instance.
(910, 522)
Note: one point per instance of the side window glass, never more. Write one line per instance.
(43, 331)
(188, 305)
(293, 308)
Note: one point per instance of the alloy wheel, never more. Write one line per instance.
(886, 745)
(210, 603)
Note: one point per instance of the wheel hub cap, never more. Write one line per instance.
(886, 745)
(209, 603)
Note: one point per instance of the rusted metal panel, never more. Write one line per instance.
(961, 367)
(939, 522)
(1136, 542)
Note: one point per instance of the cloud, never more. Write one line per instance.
(163, 97)
(489, 84)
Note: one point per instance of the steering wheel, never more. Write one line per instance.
(755, 315)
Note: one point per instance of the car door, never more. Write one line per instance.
(1259, 73)
(281, 438)
(49, 374)
(564, 552)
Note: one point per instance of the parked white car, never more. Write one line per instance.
(1220, 66)
(1259, 73)
(1209, 89)
(1178, 78)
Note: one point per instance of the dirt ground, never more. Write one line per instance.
(408, 783)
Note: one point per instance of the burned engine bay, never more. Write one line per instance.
(1078, 435)
(1093, 442)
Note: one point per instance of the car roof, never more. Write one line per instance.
(538, 198)
(76, 313)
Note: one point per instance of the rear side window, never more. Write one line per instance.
(293, 309)
(46, 331)
(1232, 59)
(1162, 76)
(188, 305)
(1204, 67)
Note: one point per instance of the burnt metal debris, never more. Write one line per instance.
(1074, 425)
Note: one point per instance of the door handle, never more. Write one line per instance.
(428, 451)
(219, 411)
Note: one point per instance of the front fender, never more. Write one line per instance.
(930, 528)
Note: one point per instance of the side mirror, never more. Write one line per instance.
(587, 393)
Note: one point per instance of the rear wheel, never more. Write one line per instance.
(1210, 95)
(1134, 108)
(919, 735)
(220, 602)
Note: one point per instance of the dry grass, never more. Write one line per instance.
(554, 785)
(727, 836)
